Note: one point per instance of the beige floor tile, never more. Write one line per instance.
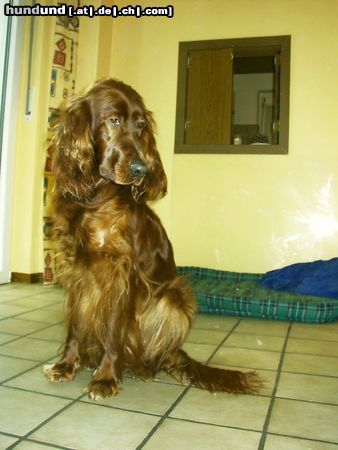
(12, 366)
(6, 338)
(91, 427)
(255, 341)
(243, 411)
(13, 285)
(264, 327)
(286, 443)
(242, 357)
(8, 310)
(54, 333)
(59, 307)
(34, 349)
(28, 287)
(200, 352)
(135, 395)
(51, 292)
(6, 441)
(33, 302)
(6, 296)
(18, 419)
(200, 336)
(312, 347)
(6, 286)
(13, 294)
(36, 287)
(115, 422)
(175, 435)
(309, 364)
(308, 387)
(213, 322)
(324, 332)
(304, 420)
(50, 300)
(30, 445)
(20, 327)
(34, 380)
(42, 315)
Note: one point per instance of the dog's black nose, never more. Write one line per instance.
(138, 169)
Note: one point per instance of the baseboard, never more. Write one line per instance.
(18, 277)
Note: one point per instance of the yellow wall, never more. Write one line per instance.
(245, 213)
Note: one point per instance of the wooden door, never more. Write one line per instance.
(209, 97)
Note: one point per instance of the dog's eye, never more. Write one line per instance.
(141, 124)
(115, 121)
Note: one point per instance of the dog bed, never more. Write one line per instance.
(243, 295)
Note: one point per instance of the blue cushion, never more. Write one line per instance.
(318, 278)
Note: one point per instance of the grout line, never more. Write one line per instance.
(274, 391)
(163, 418)
(222, 342)
(23, 359)
(41, 298)
(39, 363)
(17, 388)
(312, 355)
(44, 327)
(29, 336)
(11, 435)
(180, 397)
(15, 316)
(331, 341)
(297, 438)
(34, 441)
(279, 351)
(79, 399)
(118, 408)
(26, 436)
(277, 335)
(252, 348)
(218, 425)
(300, 400)
(14, 298)
(311, 374)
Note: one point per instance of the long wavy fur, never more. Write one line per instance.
(126, 309)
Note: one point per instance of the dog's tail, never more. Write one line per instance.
(212, 378)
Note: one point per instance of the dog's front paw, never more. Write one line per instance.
(98, 390)
(59, 372)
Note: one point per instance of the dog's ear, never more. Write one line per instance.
(154, 185)
(74, 156)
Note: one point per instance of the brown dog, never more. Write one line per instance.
(127, 310)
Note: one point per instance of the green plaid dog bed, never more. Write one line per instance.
(241, 294)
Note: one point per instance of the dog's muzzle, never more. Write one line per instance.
(138, 169)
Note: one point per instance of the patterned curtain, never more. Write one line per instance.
(62, 85)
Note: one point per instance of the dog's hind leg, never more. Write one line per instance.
(165, 322)
(164, 327)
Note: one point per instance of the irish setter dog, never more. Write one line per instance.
(127, 310)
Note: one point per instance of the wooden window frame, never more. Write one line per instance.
(240, 44)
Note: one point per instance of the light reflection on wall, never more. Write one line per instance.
(321, 223)
(313, 227)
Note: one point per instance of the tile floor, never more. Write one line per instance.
(298, 408)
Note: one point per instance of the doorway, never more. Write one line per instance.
(10, 61)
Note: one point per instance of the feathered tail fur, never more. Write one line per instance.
(214, 379)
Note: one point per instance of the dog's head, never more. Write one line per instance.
(107, 135)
